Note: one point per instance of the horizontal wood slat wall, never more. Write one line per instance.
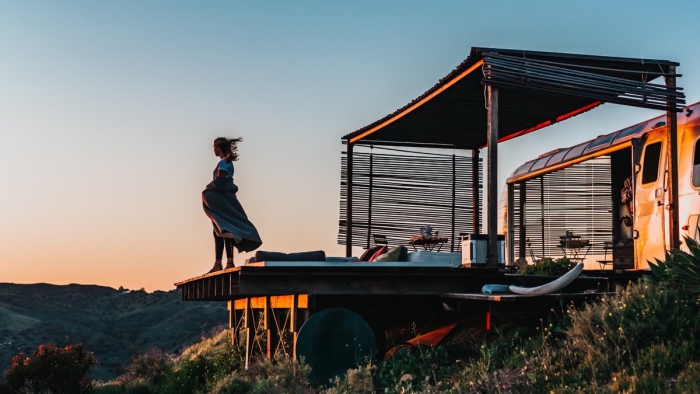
(397, 191)
(577, 198)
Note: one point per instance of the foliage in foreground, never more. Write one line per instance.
(679, 268)
(641, 340)
(50, 369)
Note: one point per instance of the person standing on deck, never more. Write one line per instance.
(231, 225)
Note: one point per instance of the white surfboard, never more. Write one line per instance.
(552, 286)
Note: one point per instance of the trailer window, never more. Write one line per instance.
(652, 156)
(696, 164)
(630, 131)
(693, 227)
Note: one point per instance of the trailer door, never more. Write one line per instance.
(650, 202)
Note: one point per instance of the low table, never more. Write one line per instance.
(427, 243)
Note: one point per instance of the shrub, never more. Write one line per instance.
(689, 379)
(356, 381)
(679, 267)
(283, 376)
(149, 367)
(548, 266)
(199, 374)
(414, 367)
(52, 369)
(232, 384)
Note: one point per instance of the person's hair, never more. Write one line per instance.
(229, 146)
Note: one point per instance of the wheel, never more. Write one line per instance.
(333, 341)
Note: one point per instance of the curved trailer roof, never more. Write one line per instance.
(602, 145)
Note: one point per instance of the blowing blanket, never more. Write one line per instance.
(229, 218)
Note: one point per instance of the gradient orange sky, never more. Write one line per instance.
(108, 111)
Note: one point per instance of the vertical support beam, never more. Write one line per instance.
(369, 202)
(232, 321)
(249, 326)
(511, 224)
(523, 230)
(476, 213)
(542, 212)
(348, 202)
(672, 122)
(454, 200)
(270, 329)
(293, 322)
(492, 206)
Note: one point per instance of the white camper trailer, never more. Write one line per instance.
(611, 195)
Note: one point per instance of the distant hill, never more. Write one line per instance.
(113, 324)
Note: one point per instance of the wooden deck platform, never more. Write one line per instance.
(252, 281)
(358, 279)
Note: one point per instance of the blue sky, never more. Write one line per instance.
(108, 111)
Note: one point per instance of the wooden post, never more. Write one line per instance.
(672, 122)
(492, 206)
(348, 202)
(249, 331)
(293, 317)
(369, 199)
(542, 212)
(271, 329)
(523, 230)
(232, 321)
(511, 224)
(454, 200)
(476, 214)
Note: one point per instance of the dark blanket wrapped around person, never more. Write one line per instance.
(230, 221)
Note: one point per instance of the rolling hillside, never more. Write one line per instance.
(113, 324)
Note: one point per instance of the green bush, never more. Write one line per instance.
(356, 381)
(679, 267)
(281, 376)
(411, 368)
(689, 379)
(548, 266)
(50, 369)
(232, 384)
(149, 367)
(200, 373)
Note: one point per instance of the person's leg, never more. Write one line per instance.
(218, 251)
(229, 252)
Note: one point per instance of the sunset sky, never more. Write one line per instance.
(108, 110)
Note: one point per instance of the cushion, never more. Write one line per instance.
(317, 255)
(496, 289)
(370, 252)
(378, 253)
(397, 253)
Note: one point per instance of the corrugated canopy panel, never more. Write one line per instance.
(536, 89)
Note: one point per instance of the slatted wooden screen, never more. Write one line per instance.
(396, 191)
(577, 198)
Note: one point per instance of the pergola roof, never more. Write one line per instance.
(537, 89)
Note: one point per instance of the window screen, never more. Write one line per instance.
(652, 156)
(696, 164)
